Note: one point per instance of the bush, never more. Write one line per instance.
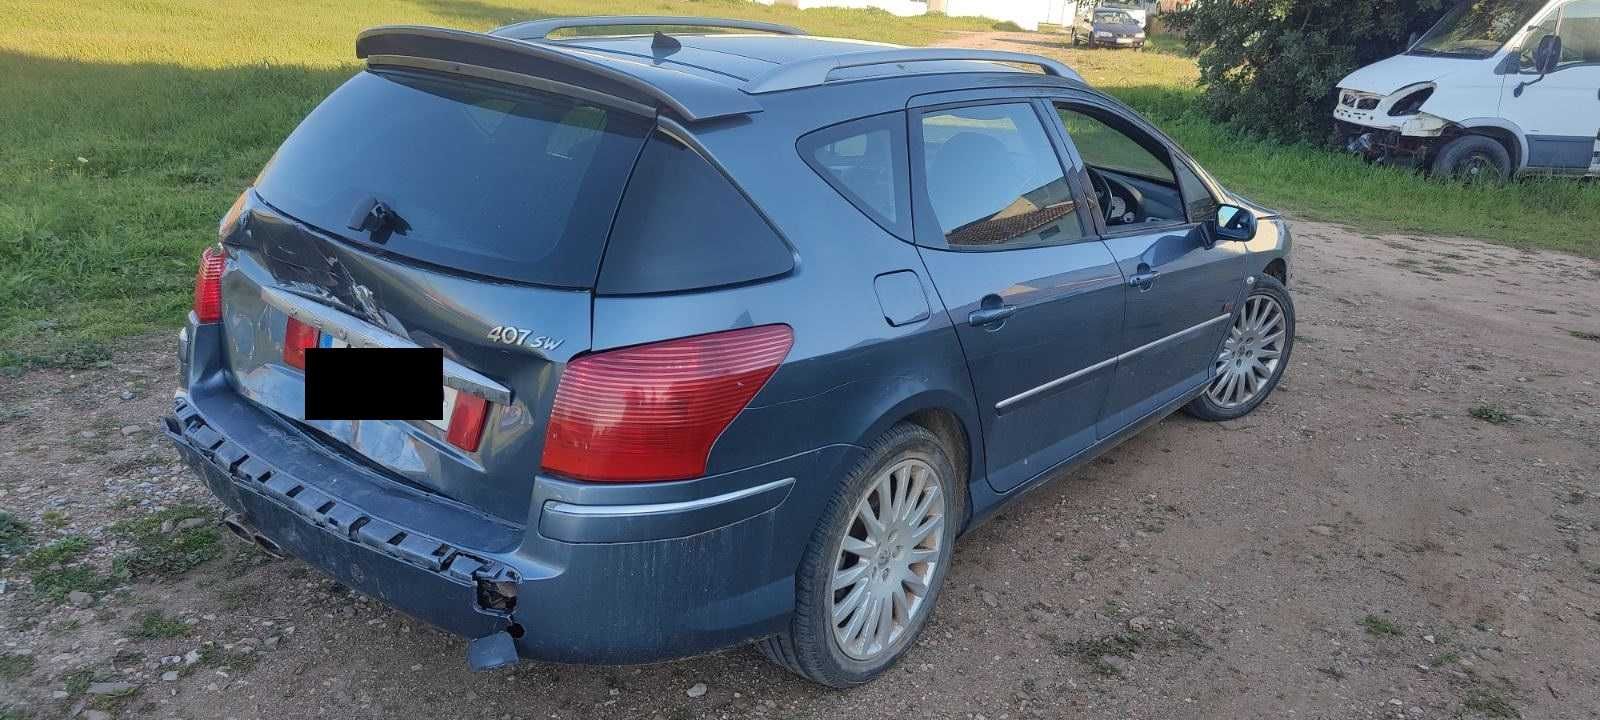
(1270, 67)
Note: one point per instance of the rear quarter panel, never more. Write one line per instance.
(850, 374)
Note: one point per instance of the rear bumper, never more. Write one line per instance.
(600, 574)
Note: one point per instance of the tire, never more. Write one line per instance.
(1473, 158)
(811, 646)
(1244, 354)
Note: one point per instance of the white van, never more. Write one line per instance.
(1496, 88)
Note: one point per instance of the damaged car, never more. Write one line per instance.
(702, 338)
(1495, 89)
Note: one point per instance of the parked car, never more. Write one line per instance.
(735, 333)
(1136, 9)
(1108, 27)
(1497, 88)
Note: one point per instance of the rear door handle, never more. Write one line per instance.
(991, 316)
(1143, 280)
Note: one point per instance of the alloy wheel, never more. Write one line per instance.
(1250, 354)
(885, 562)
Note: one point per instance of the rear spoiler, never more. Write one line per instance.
(618, 81)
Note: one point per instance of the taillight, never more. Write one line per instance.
(298, 336)
(652, 412)
(208, 286)
(466, 421)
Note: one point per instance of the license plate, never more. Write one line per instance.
(442, 422)
(1124, 41)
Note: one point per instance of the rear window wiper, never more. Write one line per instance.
(376, 217)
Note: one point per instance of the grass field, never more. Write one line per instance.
(128, 127)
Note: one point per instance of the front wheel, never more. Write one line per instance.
(1473, 159)
(872, 572)
(1253, 355)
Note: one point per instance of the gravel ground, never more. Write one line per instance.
(1409, 528)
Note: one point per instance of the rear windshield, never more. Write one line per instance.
(480, 177)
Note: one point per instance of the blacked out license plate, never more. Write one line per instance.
(345, 383)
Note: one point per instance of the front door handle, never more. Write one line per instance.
(1143, 280)
(991, 316)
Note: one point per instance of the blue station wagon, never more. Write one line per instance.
(733, 331)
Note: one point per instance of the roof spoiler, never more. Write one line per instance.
(639, 86)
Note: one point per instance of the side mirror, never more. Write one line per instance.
(1235, 223)
(1547, 55)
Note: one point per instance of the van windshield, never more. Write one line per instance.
(1476, 28)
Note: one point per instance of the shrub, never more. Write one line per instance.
(1270, 67)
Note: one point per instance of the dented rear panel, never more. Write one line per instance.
(277, 263)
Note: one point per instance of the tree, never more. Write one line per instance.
(1270, 67)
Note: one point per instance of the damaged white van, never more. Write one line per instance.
(1497, 88)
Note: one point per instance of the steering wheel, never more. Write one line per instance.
(1102, 193)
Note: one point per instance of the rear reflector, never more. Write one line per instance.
(208, 286)
(298, 336)
(652, 412)
(466, 421)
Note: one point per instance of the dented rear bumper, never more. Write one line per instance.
(599, 573)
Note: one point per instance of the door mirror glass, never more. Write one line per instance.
(1547, 55)
(1235, 223)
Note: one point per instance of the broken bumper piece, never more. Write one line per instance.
(594, 577)
(421, 575)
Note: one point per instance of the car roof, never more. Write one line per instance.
(734, 59)
(696, 76)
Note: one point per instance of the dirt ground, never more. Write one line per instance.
(1362, 546)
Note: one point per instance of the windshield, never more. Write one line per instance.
(1477, 28)
(1113, 17)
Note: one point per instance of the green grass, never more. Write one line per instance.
(1489, 703)
(1490, 414)
(14, 535)
(1380, 626)
(55, 576)
(128, 128)
(154, 625)
(167, 554)
(13, 666)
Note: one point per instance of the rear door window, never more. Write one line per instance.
(993, 179)
(490, 179)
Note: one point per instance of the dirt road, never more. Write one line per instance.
(1363, 546)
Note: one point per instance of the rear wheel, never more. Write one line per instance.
(1253, 356)
(1474, 159)
(872, 572)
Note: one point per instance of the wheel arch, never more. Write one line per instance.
(1278, 268)
(946, 416)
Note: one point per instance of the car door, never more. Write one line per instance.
(1560, 114)
(1035, 296)
(1154, 214)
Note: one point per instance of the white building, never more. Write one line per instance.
(1025, 13)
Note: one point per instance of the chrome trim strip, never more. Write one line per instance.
(1058, 382)
(359, 333)
(611, 511)
(1053, 384)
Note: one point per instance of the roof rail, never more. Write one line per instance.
(542, 29)
(639, 84)
(815, 71)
